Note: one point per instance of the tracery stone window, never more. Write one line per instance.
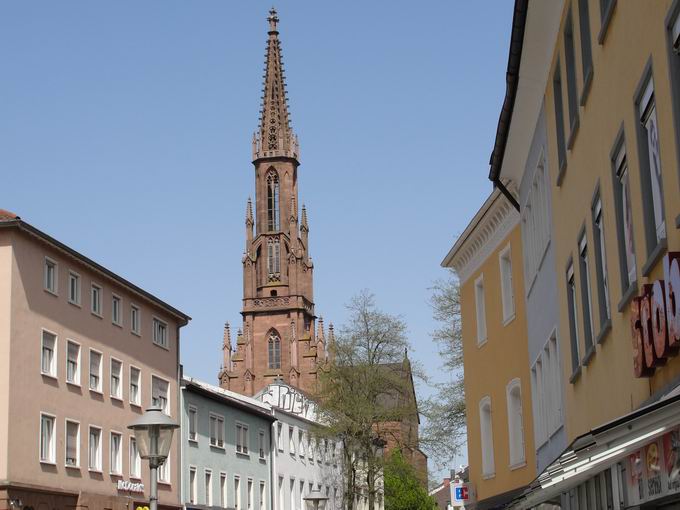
(272, 201)
(274, 347)
(273, 260)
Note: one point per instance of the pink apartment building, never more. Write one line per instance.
(82, 353)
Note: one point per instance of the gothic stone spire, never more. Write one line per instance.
(275, 136)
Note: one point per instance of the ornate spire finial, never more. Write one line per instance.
(275, 136)
(273, 19)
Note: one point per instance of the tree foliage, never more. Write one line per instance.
(444, 432)
(362, 387)
(403, 490)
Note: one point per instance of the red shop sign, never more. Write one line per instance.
(655, 319)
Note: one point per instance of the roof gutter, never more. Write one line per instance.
(519, 19)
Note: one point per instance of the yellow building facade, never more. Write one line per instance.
(487, 258)
(621, 129)
(607, 77)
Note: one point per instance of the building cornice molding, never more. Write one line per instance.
(490, 226)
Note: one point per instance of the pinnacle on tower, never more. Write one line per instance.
(303, 224)
(227, 335)
(275, 136)
(226, 348)
(293, 209)
(249, 212)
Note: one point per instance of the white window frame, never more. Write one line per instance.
(263, 495)
(261, 447)
(507, 284)
(116, 311)
(250, 494)
(165, 410)
(208, 485)
(291, 440)
(135, 319)
(301, 443)
(192, 416)
(193, 485)
(52, 372)
(163, 472)
(626, 221)
(158, 326)
(118, 458)
(599, 225)
(237, 492)
(517, 452)
(219, 430)
(51, 457)
(575, 337)
(279, 436)
(66, 464)
(486, 436)
(76, 380)
(74, 277)
(135, 460)
(98, 389)
(585, 278)
(224, 480)
(98, 467)
(51, 285)
(119, 395)
(137, 402)
(96, 292)
(647, 113)
(480, 310)
(242, 433)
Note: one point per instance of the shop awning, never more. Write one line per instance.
(602, 447)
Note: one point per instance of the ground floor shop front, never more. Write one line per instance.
(632, 462)
(27, 497)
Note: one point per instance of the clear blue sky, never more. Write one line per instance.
(125, 132)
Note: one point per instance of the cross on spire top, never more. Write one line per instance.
(273, 19)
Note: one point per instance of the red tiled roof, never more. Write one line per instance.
(7, 215)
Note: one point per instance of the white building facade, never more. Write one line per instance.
(301, 462)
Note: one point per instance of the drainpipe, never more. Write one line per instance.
(501, 187)
(273, 482)
(519, 19)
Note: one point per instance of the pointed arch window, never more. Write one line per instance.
(274, 345)
(272, 201)
(274, 260)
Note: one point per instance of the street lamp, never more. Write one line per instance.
(153, 433)
(316, 500)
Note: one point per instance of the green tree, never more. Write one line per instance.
(363, 386)
(444, 431)
(403, 490)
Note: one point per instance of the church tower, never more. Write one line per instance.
(278, 339)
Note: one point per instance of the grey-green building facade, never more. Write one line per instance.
(226, 448)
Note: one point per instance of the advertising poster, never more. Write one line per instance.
(671, 456)
(654, 471)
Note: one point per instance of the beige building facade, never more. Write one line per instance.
(487, 258)
(82, 353)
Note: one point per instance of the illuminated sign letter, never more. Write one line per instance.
(671, 271)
